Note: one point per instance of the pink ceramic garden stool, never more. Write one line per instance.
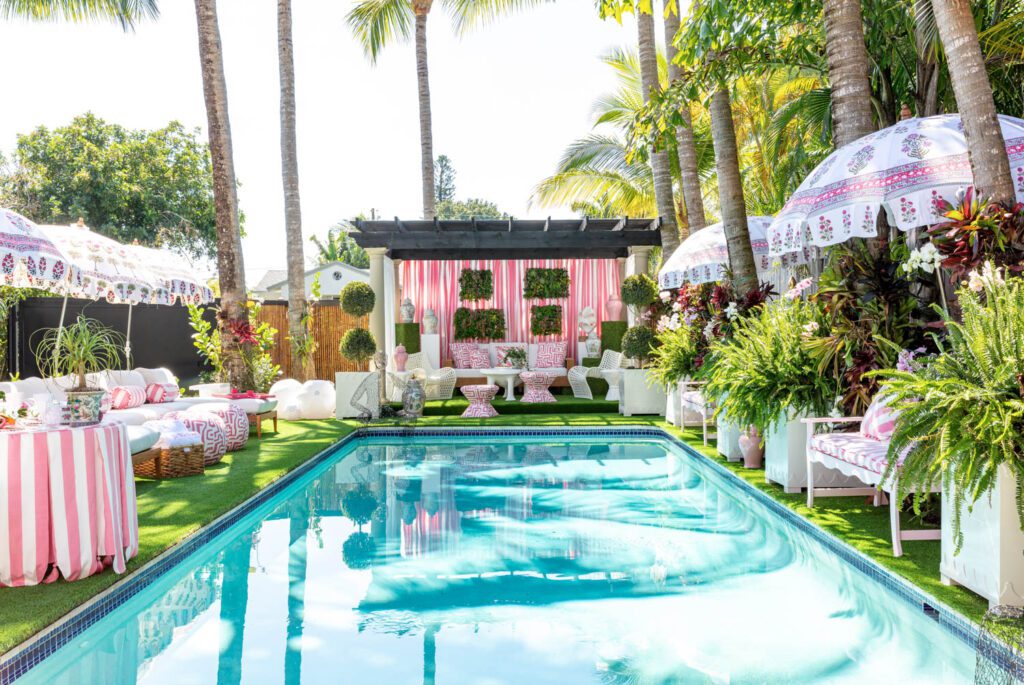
(211, 429)
(537, 385)
(479, 397)
(236, 422)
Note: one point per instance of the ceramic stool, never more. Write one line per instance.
(236, 422)
(537, 384)
(479, 397)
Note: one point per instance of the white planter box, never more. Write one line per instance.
(636, 397)
(673, 408)
(345, 384)
(728, 439)
(785, 459)
(991, 561)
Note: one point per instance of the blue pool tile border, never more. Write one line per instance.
(23, 658)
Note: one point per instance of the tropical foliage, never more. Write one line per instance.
(479, 324)
(476, 284)
(546, 283)
(546, 319)
(339, 246)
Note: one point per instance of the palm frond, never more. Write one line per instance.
(126, 12)
(377, 23)
(470, 14)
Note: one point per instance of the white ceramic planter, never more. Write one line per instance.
(785, 459)
(991, 561)
(673, 409)
(345, 385)
(636, 397)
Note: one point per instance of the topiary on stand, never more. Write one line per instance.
(358, 345)
(639, 292)
(357, 299)
(639, 343)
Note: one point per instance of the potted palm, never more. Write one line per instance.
(85, 347)
(357, 345)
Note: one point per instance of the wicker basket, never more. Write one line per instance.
(172, 462)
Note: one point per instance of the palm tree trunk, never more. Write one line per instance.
(985, 146)
(230, 266)
(926, 96)
(848, 70)
(689, 178)
(297, 331)
(426, 128)
(660, 167)
(730, 195)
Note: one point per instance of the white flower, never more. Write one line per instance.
(989, 277)
(676, 307)
(810, 328)
(664, 295)
(709, 330)
(927, 259)
(732, 311)
(975, 282)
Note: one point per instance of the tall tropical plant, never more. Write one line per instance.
(126, 12)
(233, 314)
(298, 330)
(376, 23)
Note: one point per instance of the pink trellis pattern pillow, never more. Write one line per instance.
(479, 359)
(158, 393)
(461, 353)
(501, 350)
(127, 397)
(879, 420)
(551, 354)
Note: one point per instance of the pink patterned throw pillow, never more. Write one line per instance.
(479, 359)
(879, 420)
(501, 350)
(461, 354)
(551, 355)
(158, 393)
(127, 397)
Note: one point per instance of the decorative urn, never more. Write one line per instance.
(429, 322)
(408, 311)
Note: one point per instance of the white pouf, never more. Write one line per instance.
(283, 389)
(291, 411)
(317, 400)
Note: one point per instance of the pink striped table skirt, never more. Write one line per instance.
(67, 503)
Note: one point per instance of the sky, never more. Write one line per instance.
(507, 98)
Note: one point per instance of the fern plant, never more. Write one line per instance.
(679, 354)
(766, 369)
(963, 419)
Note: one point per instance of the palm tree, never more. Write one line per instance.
(730, 194)
(689, 177)
(660, 164)
(298, 333)
(127, 12)
(848, 65)
(985, 146)
(230, 267)
(376, 23)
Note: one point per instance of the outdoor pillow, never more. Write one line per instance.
(551, 355)
(158, 393)
(461, 353)
(478, 359)
(501, 350)
(127, 397)
(879, 420)
(156, 375)
(124, 378)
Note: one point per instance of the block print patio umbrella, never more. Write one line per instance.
(704, 256)
(29, 258)
(904, 170)
(176, 280)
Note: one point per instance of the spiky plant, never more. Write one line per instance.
(963, 419)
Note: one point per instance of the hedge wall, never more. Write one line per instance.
(408, 334)
(611, 334)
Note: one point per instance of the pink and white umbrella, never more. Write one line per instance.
(904, 170)
(177, 280)
(704, 256)
(29, 258)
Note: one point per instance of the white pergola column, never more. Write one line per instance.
(376, 255)
(636, 263)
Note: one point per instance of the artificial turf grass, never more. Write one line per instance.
(851, 519)
(170, 510)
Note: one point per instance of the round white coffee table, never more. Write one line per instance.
(506, 375)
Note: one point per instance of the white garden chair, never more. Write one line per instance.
(439, 383)
(579, 374)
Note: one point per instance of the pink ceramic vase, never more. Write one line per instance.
(613, 308)
(750, 447)
(401, 356)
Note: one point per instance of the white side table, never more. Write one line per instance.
(498, 375)
(613, 376)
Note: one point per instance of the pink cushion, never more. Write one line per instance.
(478, 359)
(854, 448)
(127, 397)
(158, 393)
(236, 422)
(879, 420)
(501, 350)
(551, 354)
(461, 353)
(210, 428)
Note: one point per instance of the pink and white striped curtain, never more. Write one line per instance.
(435, 285)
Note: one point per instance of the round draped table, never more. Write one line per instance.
(67, 503)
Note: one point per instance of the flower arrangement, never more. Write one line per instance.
(476, 284)
(546, 319)
(255, 342)
(516, 358)
(546, 283)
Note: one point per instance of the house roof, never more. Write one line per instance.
(271, 277)
(360, 273)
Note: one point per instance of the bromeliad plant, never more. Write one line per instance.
(255, 342)
(962, 419)
(767, 370)
(977, 232)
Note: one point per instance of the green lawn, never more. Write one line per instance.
(171, 510)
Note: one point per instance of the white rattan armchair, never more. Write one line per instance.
(579, 374)
(439, 383)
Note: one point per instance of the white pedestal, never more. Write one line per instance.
(636, 397)
(345, 384)
(991, 561)
(430, 345)
(728, 440)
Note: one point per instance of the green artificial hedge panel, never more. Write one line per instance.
(546, 283)
(479, 324)
(611, 335)
(408, 334)
(476, 284)
(546, 319)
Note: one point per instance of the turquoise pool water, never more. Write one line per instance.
(525, 560)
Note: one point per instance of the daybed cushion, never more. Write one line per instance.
(853, 448)
(159, 376)
(124, 378)
(141, 438)
(694, 401)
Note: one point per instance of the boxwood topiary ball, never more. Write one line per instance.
(358, 345)
(357, 299)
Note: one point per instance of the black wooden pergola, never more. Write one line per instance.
(508, 238)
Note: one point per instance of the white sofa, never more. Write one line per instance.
(470, 376)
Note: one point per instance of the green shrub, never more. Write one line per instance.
(357, 299)
(767, 369)
(611, 334)
(358, 345)
(639, 291)
(639, 343)
(476, 285)
(479, 324)
(546, 319)
(546, 283)
(679, 354)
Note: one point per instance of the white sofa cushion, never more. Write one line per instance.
(26, 387)
(116, 378)
(157, 376)
(141, 438)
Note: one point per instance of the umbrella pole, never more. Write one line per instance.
(128, 340)
(60, 331)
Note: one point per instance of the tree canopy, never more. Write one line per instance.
(340, 247)
(152, 186)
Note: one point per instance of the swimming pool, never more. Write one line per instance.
(523, 558)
